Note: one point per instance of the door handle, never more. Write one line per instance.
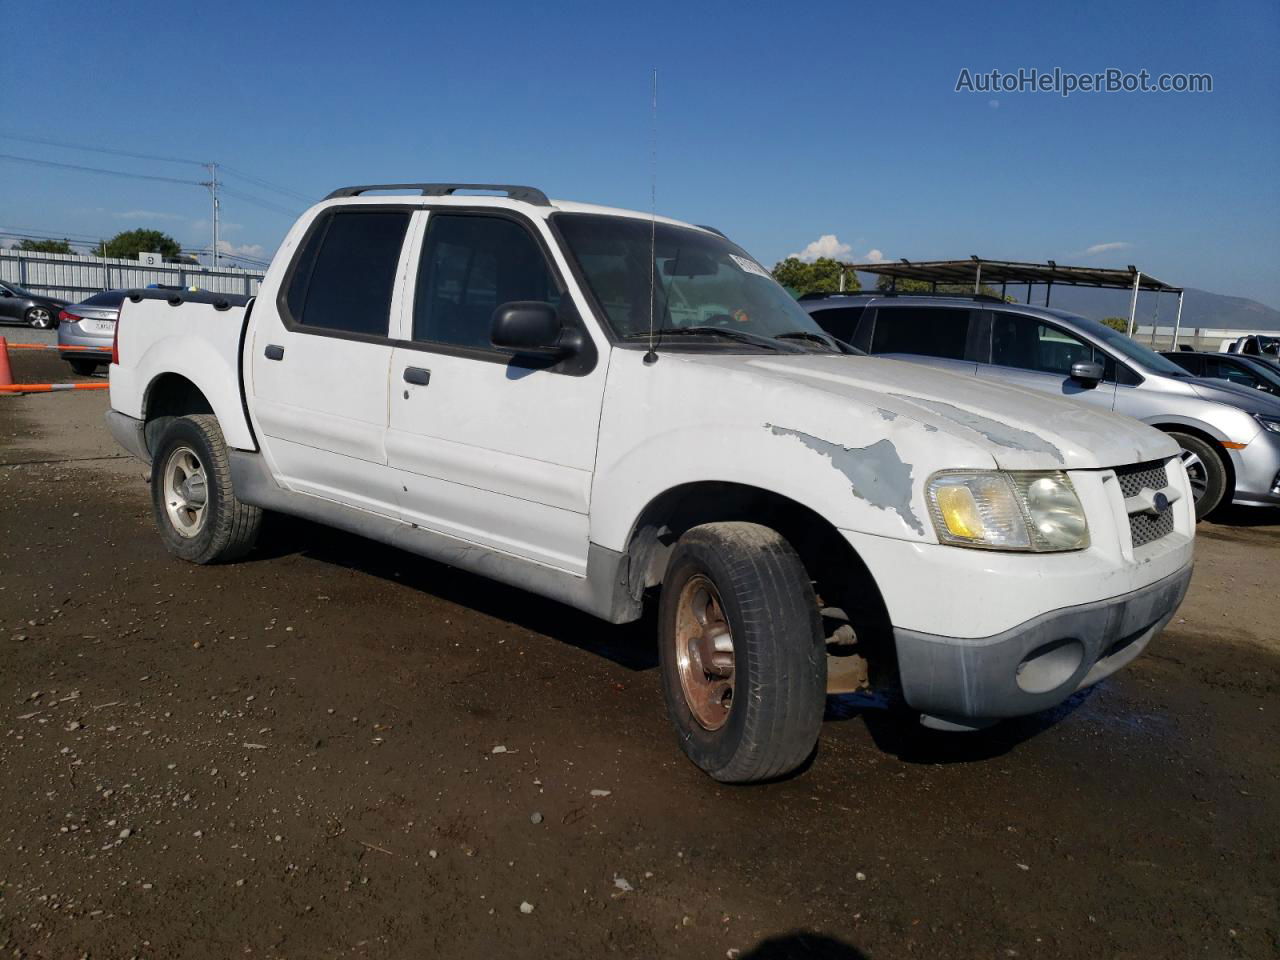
(274, 352)
(418, 375)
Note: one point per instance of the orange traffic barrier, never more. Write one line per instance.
(6, 375)
(50, 387)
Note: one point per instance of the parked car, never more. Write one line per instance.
(1229, 435)
(90, 323)
(597, 406)
(1246, 371)
(34, 309)
(1256, 345)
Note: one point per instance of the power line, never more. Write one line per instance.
(265, 184)
(118, 153)
(265, 204)
(113, 173)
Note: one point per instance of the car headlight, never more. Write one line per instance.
(1008, 511)
(1271, 424)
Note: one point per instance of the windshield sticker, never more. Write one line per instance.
(750, 266)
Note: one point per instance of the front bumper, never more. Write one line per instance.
(1257, 469)
(971, 682)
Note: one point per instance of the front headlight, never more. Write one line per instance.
(1271, 424)
(1008, 511)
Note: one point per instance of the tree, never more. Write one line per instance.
(1117, 323)
(45, 246)
(923, 286)
(821, 276)
(129, 243)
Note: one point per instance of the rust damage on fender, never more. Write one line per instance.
(876, 473)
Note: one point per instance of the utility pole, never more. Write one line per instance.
(212, 184)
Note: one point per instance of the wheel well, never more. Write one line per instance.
(841, 579)
(1214, 444)
(168, 397)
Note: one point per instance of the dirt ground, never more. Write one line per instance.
(338, 750)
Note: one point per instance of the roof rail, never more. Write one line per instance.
(528, 194)
(981, 297)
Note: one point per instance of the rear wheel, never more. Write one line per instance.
(84, 368)
(743, 658)
(40, 317)
(1205, 470)
(195, 507)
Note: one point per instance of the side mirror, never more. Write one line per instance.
(531, 327)
(1087, 372)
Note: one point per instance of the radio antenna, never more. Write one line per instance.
(652, 355)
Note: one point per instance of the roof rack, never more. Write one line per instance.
(527, 194)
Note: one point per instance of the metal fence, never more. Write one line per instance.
(75, 276)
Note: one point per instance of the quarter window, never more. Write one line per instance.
(470, 266)
(925, 331)
(343, 278)
(840, 322)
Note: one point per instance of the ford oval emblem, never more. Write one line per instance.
(1160, 502)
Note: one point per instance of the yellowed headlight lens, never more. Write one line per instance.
(960, 512)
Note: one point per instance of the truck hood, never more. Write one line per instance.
(1020, 429)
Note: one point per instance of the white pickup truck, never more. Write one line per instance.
(597, 405)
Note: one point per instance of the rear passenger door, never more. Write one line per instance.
(320, 356)
(1030, 352)
(487, 446)
(939, 336)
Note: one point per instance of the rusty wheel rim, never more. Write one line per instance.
(704, 653)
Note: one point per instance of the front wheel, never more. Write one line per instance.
(40, 317)
(195, 507)
(743, 660)
(1205, 470)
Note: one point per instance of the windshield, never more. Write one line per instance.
(1266, 371)
(699, 280)
(1130, 349)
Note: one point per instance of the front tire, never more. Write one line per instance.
(40, 317)
(195, 507)
(743, 660)
(1205, 470)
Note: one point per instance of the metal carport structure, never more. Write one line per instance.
(977, 271)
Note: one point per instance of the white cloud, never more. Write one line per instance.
(256, 250)
(147, 215)
(1105, 247)
(874, 255)
(826, 245)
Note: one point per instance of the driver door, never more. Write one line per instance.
(487, 446)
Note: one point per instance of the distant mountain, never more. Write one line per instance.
(1200, 308)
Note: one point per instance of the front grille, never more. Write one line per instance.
(1142, 476)
(1145, 527)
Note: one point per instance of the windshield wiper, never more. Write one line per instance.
(742, 336)
(807, 335)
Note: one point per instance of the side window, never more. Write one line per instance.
(343, 278)
(1225, 370)
(840, 322)
(1030, 344)
(928, 331)
(470, 266)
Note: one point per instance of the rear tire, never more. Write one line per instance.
(744, 665)
(195, 507)
(84, 368)
(1205, 469)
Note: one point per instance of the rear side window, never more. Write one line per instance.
(1031, 344)
(343, 278)
(926, 331)
(840, 322)
(470, 266)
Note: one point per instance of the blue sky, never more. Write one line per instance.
(778, 123)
